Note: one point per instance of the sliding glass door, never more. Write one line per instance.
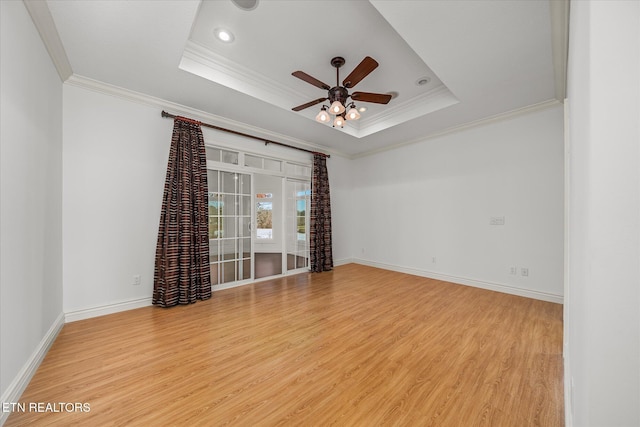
(258, 216)
(230, 214)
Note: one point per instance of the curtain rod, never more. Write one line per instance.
(266, 141)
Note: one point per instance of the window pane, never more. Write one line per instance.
(253, 161)
(264, 220)
(301, 224)
(229, 182)
(245, 205)
(246, 247)
(215, 225)
(245, 184)
(228, 228)
(272, 165)
(214, 273)
(228, 249)
(300, 170)
(212, 153)
(230, 157)
(212, 180)
(228, 272)
(214, 212)
(228, 204)
(213, 250)
(246, 225)
(215, 203)
(246, 271)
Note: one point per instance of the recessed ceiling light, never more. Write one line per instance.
(423, 81)
(362, 109)
(224, 35)
(246, 4)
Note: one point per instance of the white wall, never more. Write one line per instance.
(602, 320)
(434, 200)
(30, 195)
(342, 208)
(114, 165)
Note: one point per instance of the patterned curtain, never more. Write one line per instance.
(182, 273)
(320, 224)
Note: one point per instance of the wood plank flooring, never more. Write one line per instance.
(357, 346)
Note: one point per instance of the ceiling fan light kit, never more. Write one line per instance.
(339, 95)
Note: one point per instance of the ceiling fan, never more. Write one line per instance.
(338, 95)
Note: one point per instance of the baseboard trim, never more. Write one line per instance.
(102, 310)
(20, 382)
(529, 293)
(339, 262)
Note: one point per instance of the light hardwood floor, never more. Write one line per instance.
(354, 347)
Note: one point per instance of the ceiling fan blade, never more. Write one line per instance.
(307, 78)
(378, 98)
(309, 104)
(363, 69)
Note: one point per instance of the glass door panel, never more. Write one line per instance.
(229, 226)
(297, 223)
(268, 237)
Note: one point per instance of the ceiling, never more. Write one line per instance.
(482, 58)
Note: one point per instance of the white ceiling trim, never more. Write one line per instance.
(435, 99)
(205, 63)
(43, 21)
(182, 110)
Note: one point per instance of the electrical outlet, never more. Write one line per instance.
(496, 220)
(513, 271)
(524, 271)
(433, 260)
(136, 280)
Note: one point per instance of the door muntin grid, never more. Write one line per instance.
(229, 226)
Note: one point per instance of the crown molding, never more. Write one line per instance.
(409, 104)
(201, 61)
(559, 10)
(435, 99)
(43, 21)
(459, 128)
(178, 109)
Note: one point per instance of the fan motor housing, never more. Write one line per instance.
(338, 93)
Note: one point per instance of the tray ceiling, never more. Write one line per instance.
(482, 59)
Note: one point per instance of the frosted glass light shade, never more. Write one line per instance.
(336, 108)
(353, 114)
(323, 116)
(338, 122)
